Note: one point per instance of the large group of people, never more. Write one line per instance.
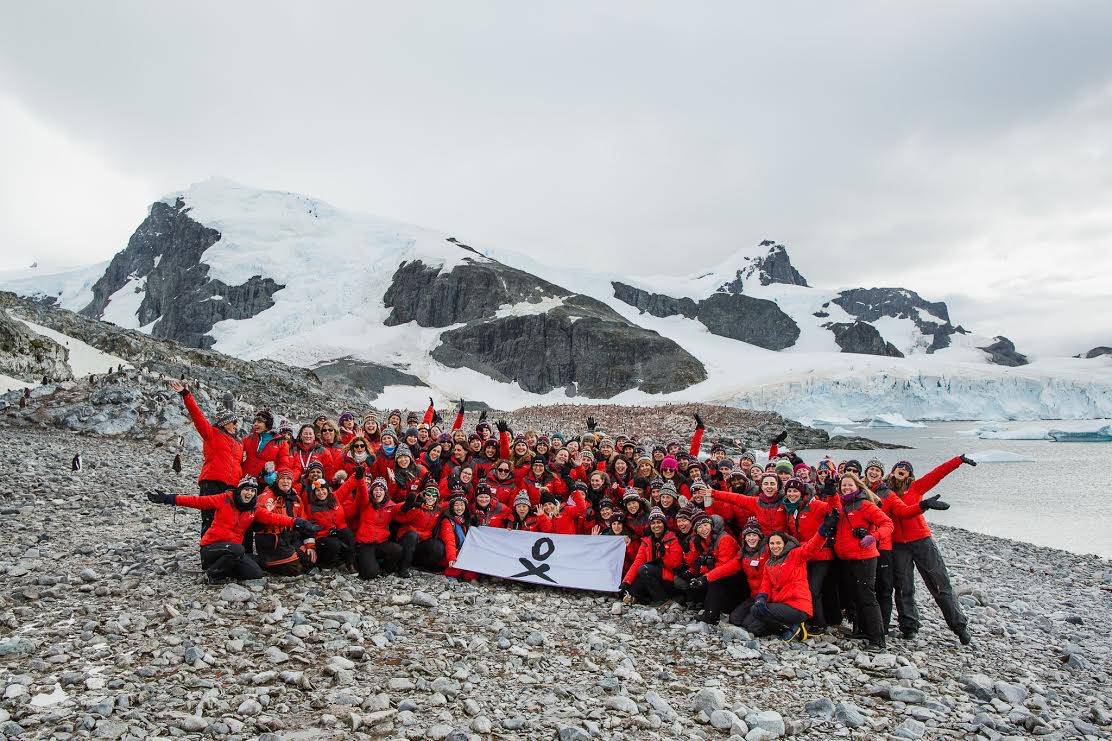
(782, 548)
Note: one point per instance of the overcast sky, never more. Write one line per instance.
(963, 150)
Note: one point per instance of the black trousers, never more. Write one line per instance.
(885, 586)
(279, 555)
(424, 554)
(739, 613)
(649, 585)
(775, 617)
(228, 561)
(862, 583)
(923, 555)
(373, 558)
(817, 573)
(336, 549)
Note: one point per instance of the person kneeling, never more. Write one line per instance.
(335, 543)
(784, 600)
(222, 552)
(419, 543)
(650, 576)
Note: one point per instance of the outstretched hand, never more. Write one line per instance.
(967, 460)
(160, 497)
(591, 424)
(780, 438)
(502, 426)
(698, 422)
(177, 386)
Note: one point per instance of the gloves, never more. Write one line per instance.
(431, 404)
(410, 502)
(762, 597)
(760, 606)
(591, 424)
(860, 532)
(436, 418)
(502, 426)
(462, 408)
(967, 460)
(868, 541)
(483, 416)
(933, 503)
(269, 467)
(780, 438)
(160, 497)
(699, 582)
(305, 528)
(699, 422)
(270, 478)
(829, 524)
(360, 472)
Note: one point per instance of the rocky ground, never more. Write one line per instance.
(110, 632)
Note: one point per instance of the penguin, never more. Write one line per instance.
(177, 464)
(77, 462)
(26, 392)
(229, 401)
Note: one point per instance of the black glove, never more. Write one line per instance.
(410, 502)
(483, 416)
(431, 404)
(360, 472)
(967, 460)
(699, 582)
(860, 532)
(591, 424)
(160, 497)
(780, 438)
(462, 408)
(699, 422)
(305, 528)
(623, 590)
(829, 524)
(502, 426)
(436, 418)
(933, 503)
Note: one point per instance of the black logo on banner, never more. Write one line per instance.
(542, 549)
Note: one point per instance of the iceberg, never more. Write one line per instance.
(891, 420)
(1102, 435)
(1023, 433)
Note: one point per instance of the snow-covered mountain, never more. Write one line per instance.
(263, 274)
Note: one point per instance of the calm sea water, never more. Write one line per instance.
(1061, 498)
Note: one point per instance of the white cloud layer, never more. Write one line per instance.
(959, 149)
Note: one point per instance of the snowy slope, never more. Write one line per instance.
(71, 288)
(336, 267)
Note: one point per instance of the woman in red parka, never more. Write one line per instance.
(453, 528)
(713, 567)
(805, 514)
(374, 551)
(222, 553)
(519, 516)
(417, 532)
(616, 528)
(784, 600)
(649, 578)
(335, 543)
(752, 555)
(861, 525)
(502, 483)
(486, 510)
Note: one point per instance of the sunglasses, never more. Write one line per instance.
(358, 447)
(503, 470)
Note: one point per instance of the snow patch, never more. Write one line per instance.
(84, 359)
(891, 420)
(529, 308)
(71, 288)
(1000, 456)
(123, 305)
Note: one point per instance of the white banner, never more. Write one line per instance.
(577, 561)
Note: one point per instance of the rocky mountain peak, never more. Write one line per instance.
(771, 265)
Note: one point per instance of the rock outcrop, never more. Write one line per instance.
(656, 304)
(369, 377)
(1097, 352)
(29, 356)
(1003, 352)
(931, 317)
(773, 267)
(180, 300)
(582, 345)
(862, 338)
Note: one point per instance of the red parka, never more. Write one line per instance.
(785, 578)
(859, 513)
(722, 546)
(230, 523)
(911, 525)
(256, 458)
(223, 453)
(664, 550)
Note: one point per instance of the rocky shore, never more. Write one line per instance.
(110, 632)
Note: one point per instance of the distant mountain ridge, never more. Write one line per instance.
(264, 274)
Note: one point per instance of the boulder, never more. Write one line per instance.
(757, 321)
(656, 304)
(862, 338)
(1003, 352)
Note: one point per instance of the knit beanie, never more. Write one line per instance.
(549, 498)
(657, 514)
(751, 526)
(523, 498)
(669, 463)
(783, 466)
(698, 485)
(747, 456)
(687, 512)
(873, 462)
(401, 450)
(630, 494)
(905, 464)
(668, 488)
(698, 517)
(855, 465)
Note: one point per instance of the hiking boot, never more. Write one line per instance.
(627, 599)
(404, 573)
(964, 637)
(791, 633)
(876, 647)
(708, 617)
(909, 635)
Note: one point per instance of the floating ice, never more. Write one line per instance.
(1000, 456)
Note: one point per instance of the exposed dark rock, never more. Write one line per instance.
(656, 304)
(821, 314)
(27, 355)
(582, 345)
(474, 289)
(754, 320)
(870, 304)
(180, 299)
(370, 377)
(774, 267)
(855, 442)
(1096, 352)
(1003, 352)
(863, 338)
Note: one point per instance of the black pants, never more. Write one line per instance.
(775, 617)
(885, 585)
(724, 594)
(649, 585)
(739, 613)
(373, 558)
(862, 583)
(336, 549)
(208, 487)
(281, 555)
(425, 554)
(228, 561)
(817, 573)
(923, 555)
(843, 578)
